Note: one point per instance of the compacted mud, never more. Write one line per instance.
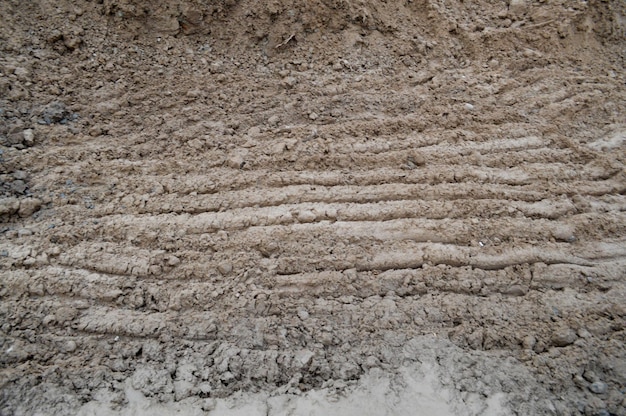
(313, 207)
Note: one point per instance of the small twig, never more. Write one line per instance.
(106, 33)
(537, 25)
(286, 41)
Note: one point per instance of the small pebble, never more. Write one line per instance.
(564, 337)
(70, 346)
(306, 216)
(18, 186)
(20, 175)
(313, 116)
(24, 232)
(29, 137)
(517, 290)
(417, 159)
(54, 251)
(29, 206)
(95, 131)
(273, 121)
(54, 112)
(303, 314)
(290, 82)
(225, 268)
(254, 131)
(235, 162)
(599, 387)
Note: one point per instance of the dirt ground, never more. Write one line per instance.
(312, 207)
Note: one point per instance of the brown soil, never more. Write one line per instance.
(202, 198)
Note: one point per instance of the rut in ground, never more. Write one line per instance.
(272, 220)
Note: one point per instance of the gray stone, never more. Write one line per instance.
(268, 248)
(65, 314)
(273, 121)
(29, 137)
(254, 131)
(196, 144)
(290, 82)
(306, 216)
(69, 346)
(227, 377)
(417, 159)
(24, 232)
(15, 138)
(71, 42)
(18, 186)
(599, 387)
(590, 376)
(303, 314)
(564, 233)
(29, 206)
(235, 161)
(107, 107)
(516, 290)
(225, 268)
(9, 206)
(20, 175)
(529, 342)
(95, 131)
(55, 112)
(304, 357)
(15, 353)
(563, 337)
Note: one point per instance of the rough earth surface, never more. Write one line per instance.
(289, 199)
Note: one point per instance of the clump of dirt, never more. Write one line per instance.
(310, 201)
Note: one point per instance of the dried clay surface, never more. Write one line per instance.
(236, 207)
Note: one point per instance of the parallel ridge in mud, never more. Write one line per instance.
(289, 221)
